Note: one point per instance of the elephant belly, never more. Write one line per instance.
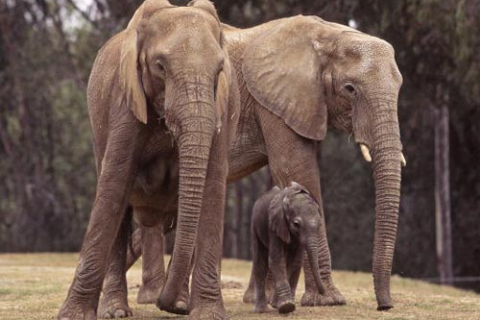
(155, 192)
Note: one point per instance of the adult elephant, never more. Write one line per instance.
(297, 76)
(163, 103)
(302, 73)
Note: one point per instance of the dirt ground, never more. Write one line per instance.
(33, 286)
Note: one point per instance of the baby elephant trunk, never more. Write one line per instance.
(312, 249)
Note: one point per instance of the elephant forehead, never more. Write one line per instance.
(188, 20)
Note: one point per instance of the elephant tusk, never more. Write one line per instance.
(402, 160)
(365, 152)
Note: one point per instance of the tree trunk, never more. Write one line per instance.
(442, 195)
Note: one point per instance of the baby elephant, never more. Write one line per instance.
(284, 224)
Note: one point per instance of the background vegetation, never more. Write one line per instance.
(46, 163)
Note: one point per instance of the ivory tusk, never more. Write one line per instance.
(402, 160)
(365, 152)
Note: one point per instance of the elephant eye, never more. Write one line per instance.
(297, 222)
(160, 66)
(350, 88)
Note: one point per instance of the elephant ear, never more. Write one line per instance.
(227, 97)
(297, 186)
(282, 71)
(276, 218)
(205, 5)
(129, 73)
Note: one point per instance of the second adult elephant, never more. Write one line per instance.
(297, 76)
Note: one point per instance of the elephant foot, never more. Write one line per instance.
(261, 306)
(113, 307)
(332, 297)
(180, 303)
(249, 296)
(209, 312)
(149, 293)
(180, 306)
(73, 309)
(286, 306)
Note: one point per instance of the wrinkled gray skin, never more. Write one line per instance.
(163, 103)
(284, 224)
(296, 76)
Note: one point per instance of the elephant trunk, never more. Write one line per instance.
(312, 249)
(193, 126)
(387, 175)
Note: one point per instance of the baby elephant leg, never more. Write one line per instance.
(259, 275)
(278, 267)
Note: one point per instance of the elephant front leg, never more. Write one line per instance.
(114, 301)
(294, 158)
(277, 264)
(153, 265)
(294, 267)
(116, 176)
(134, 249)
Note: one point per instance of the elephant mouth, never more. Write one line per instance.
(365, 150)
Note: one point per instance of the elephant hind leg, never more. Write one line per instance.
(134, 250)
(249, 295)
(114, 301)
(153, 265)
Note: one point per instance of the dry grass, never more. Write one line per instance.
(32, 286)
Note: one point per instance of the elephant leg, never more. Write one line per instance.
(293, 158)
(114, 301)
(182, 300)
(153, 265)
(115, 178)
(206, 301)
(259, 275)
(249, 295)
(294, 269)
(134, 249)
(277, 264)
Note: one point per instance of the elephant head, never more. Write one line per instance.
(293, 213)
(174, 69)
(312, 73)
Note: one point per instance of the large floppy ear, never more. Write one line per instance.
(282, 69)
(129, 73)
(276, 218)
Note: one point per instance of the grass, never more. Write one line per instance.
(33, 286)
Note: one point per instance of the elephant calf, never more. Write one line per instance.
(284, 223)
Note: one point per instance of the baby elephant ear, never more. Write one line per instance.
(276, 218)
(282, 71)
(299, 187)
